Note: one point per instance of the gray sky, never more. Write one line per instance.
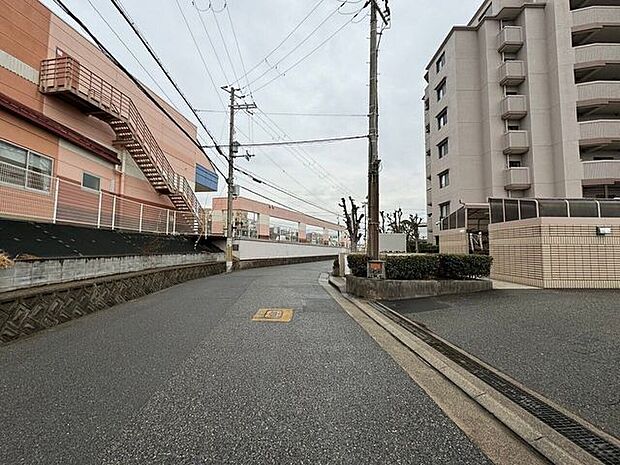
(331, 80)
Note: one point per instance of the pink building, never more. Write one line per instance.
(81, 143)
(253, 219)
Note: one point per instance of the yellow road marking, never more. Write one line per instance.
(280, 315)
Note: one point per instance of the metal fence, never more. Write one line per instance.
(503, 210)
(31, 195)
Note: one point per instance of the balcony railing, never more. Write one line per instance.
(510, 39)
(514, 107)
(517, 178)
(31, 195)
(601, 171)
(596, 16)
(512, 73)
(598, 91)
(597, 53)
(599, 132)
(516, 142)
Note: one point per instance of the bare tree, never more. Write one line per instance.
(353, 220)
(382, 227)
(411, 227)
(395, 221)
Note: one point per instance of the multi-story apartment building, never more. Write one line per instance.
(80, 142)
(524, 101)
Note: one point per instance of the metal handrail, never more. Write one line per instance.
(67, 73)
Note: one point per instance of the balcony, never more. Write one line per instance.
(601, 172)
(596, 24)
(510, 39)
(514, 107)
(512, 73)
(516, 142)
(517, 179)
(601, 134)
(595, 62)
(598, 99)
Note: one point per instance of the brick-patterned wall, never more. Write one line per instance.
(453, 241)
(556, 252)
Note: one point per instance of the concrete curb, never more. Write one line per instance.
(552, 445)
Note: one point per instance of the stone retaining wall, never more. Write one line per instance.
(26, 311)
(391, 289)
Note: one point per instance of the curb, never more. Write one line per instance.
(552, 445)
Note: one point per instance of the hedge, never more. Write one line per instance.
(431, 266)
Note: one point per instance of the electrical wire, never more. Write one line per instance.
(330, 115)
(296, 142)
(217, 23)
(288, 36)
(204, 27)
(133, 26)
(140, 86)
(232, 27)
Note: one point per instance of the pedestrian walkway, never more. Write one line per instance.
(185, 376)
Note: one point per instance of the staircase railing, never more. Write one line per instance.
(67, 74)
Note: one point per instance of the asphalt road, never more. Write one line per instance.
(184, 376)
(564, 344)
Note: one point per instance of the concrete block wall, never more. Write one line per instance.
(557, 252)
(25, 274)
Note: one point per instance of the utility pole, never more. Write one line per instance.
(373, 156)
(232, 150)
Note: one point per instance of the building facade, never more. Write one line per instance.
(258, 220)
(524, 101)
(81, 143)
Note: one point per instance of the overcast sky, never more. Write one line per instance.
(331, 80)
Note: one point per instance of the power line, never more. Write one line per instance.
(296, 142)
(217, 23)
(281, 113)
(283, 40)
(135, 29)
(232, 27)
(305, 57)
(204, 27)
(140, 86)
(257, 179)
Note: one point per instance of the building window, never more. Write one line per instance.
(428, 129)
(442, 118)
(426, 104)
(444, 210)
(512, 90)
(428, 153)
(91, 182)
(441, 90)
(514, 126)
(514, 164)
(442, 148)
(24, 168)
(444, 179)
(441, 61)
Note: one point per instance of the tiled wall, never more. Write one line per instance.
(557, 252)
(453, 241)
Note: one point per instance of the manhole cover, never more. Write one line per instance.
(281, 315)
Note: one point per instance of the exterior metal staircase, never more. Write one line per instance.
(74, 83)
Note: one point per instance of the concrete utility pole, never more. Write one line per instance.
(373, 132)
(232, 149)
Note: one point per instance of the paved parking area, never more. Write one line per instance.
(564, 344)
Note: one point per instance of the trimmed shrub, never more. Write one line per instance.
(429, 266)
(358, 264)
(426, 247)
(455, 266)
(411, 267)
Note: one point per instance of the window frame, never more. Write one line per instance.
(28, 170)
(444, 179)
(441, 153)
(443, 205)
(86, 173)
(441, 89)
(441, 62)
(442, 116)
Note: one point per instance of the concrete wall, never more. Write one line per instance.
(453, 241)
(556, 252)
(26, 274)
(256, 249)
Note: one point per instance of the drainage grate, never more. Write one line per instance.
(589, 441)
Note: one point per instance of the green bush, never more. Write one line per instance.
(429, 266)
(453, 266)
(357, 263)
(427, 247)
(410, 267)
